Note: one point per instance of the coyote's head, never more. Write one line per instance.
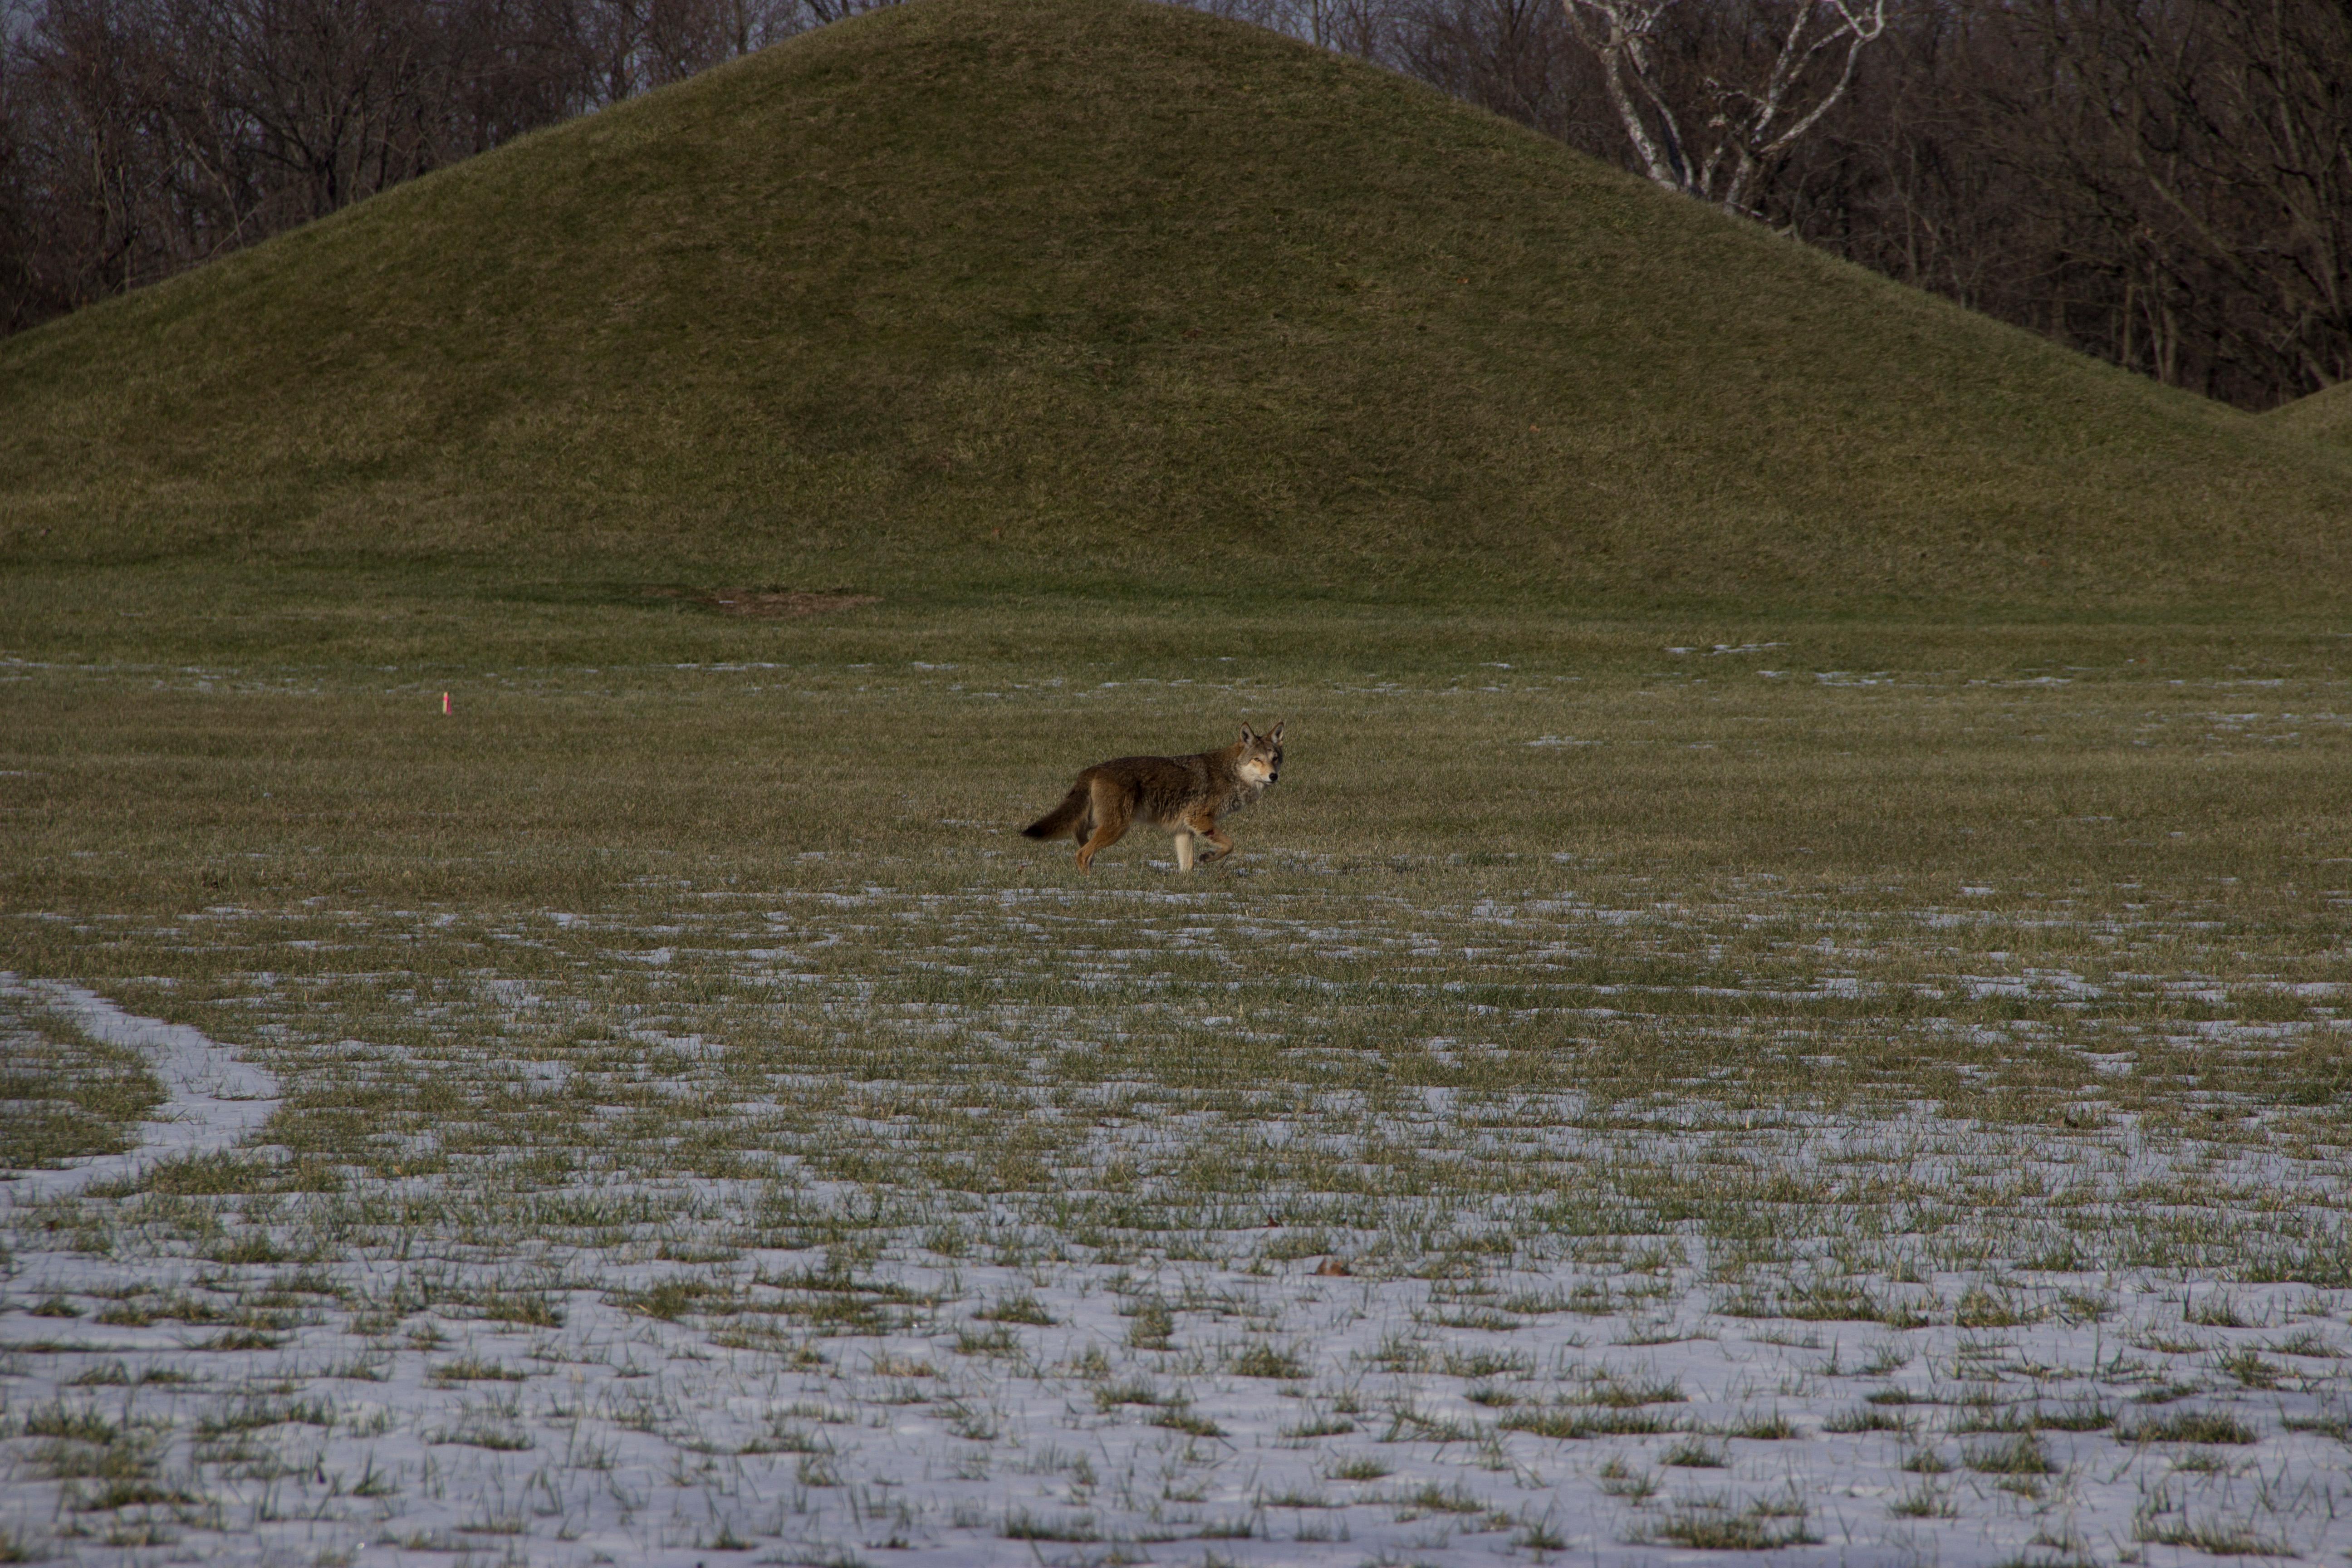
(1261, 761)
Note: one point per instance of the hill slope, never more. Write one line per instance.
(1095, 292)
(2325, 414)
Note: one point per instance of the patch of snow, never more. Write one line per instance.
(216, 1099)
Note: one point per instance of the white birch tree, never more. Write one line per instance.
(1746, 119)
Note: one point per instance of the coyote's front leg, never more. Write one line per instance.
(1205, 825)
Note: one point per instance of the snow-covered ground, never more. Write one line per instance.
(619, 1406)
(909, 1413)
(1647, 1330)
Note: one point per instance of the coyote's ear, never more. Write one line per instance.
(1248, 734)
(1274, 734)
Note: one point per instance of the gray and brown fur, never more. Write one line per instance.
(1182, 795)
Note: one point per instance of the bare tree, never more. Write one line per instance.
(1348, 26)
(1516, 57)
(20, 238)
(2217, 139)
(1772, 73)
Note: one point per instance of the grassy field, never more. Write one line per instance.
(1792, 996)
(63, 1094)
(1875, 1091)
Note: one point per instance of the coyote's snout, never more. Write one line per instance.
(1182, 794)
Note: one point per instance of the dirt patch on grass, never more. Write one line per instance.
(768, 604)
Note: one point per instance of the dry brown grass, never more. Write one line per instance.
(766, 604)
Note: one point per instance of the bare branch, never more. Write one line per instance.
(1757, 109)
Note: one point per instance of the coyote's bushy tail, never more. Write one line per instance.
(1062, 818)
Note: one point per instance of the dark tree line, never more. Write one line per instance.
(141, 137)
(2167, 183)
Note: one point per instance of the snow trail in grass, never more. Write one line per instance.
(216, 1100)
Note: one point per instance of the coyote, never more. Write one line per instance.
(1182, 794)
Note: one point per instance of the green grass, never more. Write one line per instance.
(1969, 865)
(2138, 810)
(1714, 1526)
(1876, 996)
(2325, 416)
(2022, 1455)
(64, 1094)
(2189, 1426)
(2216, 1536)
(979, 297)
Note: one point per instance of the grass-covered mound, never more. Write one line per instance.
(2325, 416)
(982, 292)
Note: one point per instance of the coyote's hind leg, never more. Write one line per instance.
(1108, 814)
